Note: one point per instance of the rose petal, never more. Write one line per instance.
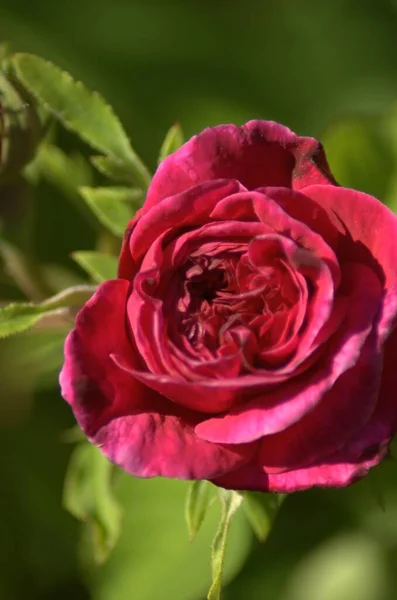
(190, 208)
(343, 411)
(260, 153)
(136, 428)
(94, 387)
(279, 408)
(365, 450)
(150, 444)
(339, 472)
(369, 234)
(189, 394)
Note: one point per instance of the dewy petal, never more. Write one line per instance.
(278, 409)
(134, 426)
(260, 153)
(369, 233)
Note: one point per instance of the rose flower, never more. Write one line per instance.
(249, 337)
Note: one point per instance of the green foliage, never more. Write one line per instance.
(20, 128)
(113, 206)
(198, 500)
(113, 169)
(89, 498)
(230, 501)
(98, 265)
(84, 112)
(153, 558)
(17, 317)
(172, 141)
(261, 510)
(29, 361)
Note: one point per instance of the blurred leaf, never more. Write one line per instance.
(67, 173)
(101, 267)
(231, 501)
(72, 435)
(29, 361)
(113, 206)
(113, 169)
(197, 503)
(80, 110)
(360, 155)
(15, 318)
(4, 50)
(349, 566)
(89, 498)
(18, 317)
(59, 278)
(20, 127)
(172, 141)
(261, 510)
(153, 557)
(22, 268)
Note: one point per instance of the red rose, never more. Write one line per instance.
(249, 337)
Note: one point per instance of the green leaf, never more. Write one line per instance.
(88, 497)
(197, 503)
(29, 361)
(18, 317)
(22, 268)
(101, 267)
(172, 141)
(261, 510)
(154, 558)
(113, 169)
(67, 172)
(231, 501)
(15, 318)
(113, 206)
(82, 111)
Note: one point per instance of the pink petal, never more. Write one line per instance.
(343, 410)
(352, 462)
(190, 208)
(369, 234)
(94, 387)
(260, 153)
(150, 444)
(189, 394)
(278, 409)
(135, 427)
(338, 471)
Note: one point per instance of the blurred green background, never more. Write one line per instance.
(327, 69)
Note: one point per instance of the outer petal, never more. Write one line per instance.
(260, 153)
(135, 427)
(340, 473)
(365, 450)
(150, 444)
(369, 231)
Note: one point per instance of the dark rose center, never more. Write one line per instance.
(225, 300)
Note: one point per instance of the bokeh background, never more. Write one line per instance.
(327, 69)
